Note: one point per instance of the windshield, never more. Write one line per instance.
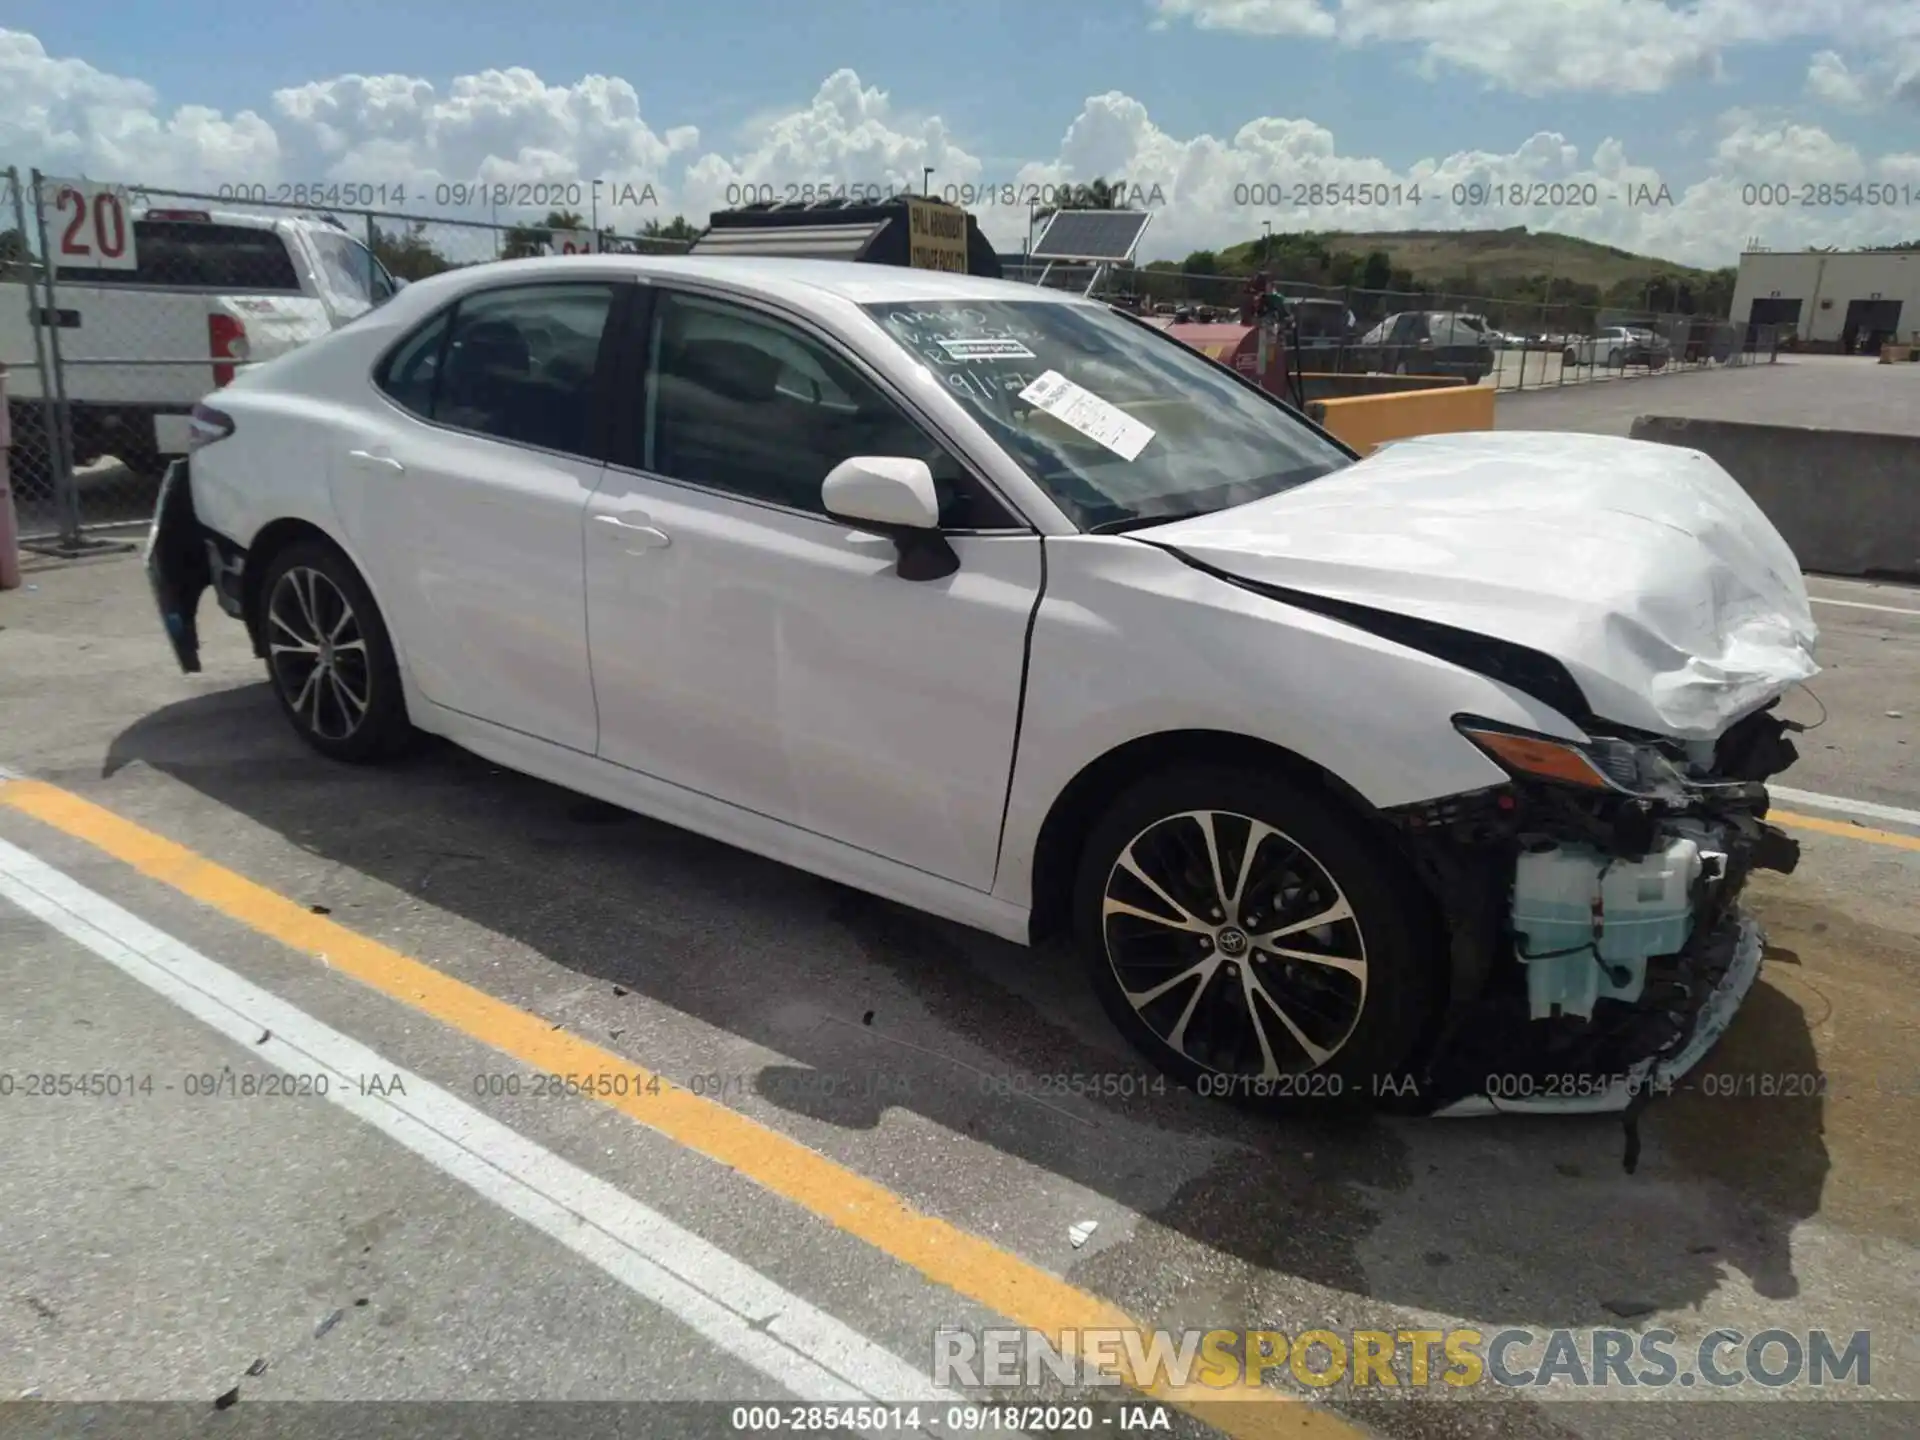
(1115, 421)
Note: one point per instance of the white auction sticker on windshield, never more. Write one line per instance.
(1086, 412)
(986, 350)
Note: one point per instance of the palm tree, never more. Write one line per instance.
(1096, 194)
(524, 240)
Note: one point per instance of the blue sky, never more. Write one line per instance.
(1433, 80)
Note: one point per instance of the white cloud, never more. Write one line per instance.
(1208, 191)
(1830, 81)
(1254, 17)
(1536, 47)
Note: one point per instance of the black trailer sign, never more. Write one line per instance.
(937, 236)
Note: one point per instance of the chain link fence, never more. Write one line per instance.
(1508, 344)
(32, 413)
(158, 297)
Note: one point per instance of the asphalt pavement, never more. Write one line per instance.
(856, 1140)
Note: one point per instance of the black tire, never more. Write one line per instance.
(1323, 856)
(356, 662)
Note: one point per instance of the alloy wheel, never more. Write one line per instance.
(1234, 945)
(318, 654)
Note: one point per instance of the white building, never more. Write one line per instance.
(1867, 297)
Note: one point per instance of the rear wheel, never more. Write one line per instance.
(1252, 941)
(329, 657)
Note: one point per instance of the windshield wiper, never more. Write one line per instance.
(1140, 522)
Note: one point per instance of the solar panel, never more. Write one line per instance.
(1106, 236)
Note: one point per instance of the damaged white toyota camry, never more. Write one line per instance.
(1436, 774)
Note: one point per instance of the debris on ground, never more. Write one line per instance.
(1629, 1309)
(1082, 1232)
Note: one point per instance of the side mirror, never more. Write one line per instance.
(893, 495)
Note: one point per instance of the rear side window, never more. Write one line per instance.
(516, 364)
(409, 373)
(202, 256)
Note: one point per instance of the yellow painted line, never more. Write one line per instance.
(1846, 830)
(943, 1253)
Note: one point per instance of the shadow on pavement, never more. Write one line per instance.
(1468, 1218)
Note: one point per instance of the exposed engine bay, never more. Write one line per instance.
(1599, 946)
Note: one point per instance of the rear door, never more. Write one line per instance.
(467, 490)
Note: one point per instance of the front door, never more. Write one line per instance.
(468, 496)
(748, 647)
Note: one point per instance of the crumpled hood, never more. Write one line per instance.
(1645, 569)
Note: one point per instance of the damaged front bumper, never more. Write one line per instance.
(183, 561)
(1599, 944)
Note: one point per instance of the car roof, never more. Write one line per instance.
(798, 281)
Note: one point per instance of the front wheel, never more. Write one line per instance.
(1253, 941)
(328, 655)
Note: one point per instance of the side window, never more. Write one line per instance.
(350, 266)
(519, 364)
(744, 404)
(409, 373)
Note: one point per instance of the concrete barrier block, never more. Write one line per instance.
(1847, 501)
(1334, 385)
(1368, 421)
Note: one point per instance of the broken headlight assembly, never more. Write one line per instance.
(1601, 763)
(1593, 904)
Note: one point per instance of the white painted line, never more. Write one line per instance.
(1865, 809)
(1863, 605)
(808, 1352)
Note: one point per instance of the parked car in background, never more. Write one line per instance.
(1618, 347)
(222, 289)
(1427, 342)
(1002, 605)
(1324, 330)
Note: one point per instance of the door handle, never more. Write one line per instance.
(368, 460)
(636, 533)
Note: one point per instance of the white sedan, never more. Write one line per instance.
(1617, 347)
(1434, 775)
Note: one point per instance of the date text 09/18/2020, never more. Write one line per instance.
(1469, 195)
(575, 195)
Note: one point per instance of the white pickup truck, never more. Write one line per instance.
(210, 291)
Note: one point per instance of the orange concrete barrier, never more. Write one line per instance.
(1367, 422)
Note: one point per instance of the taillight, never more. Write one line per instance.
(207, 425)
(227, 339)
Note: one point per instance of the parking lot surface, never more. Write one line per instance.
(864, 1146)
(1834, 391)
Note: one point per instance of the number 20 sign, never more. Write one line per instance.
(89, 228)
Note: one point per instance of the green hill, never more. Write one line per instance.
(1515, 264)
